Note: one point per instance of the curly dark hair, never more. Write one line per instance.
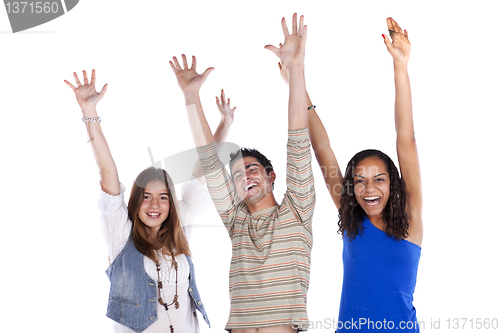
(394, 215)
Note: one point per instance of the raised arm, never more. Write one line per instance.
(87, 97)
(220, 135)
(321, 146)
(190, 83)
(406, 145)
(292, 54)
(219, 182)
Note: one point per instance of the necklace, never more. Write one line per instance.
(160, 287)
(175, 301)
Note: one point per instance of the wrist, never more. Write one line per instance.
(89, 112)
(191, 97)
(401, 65)
(226, 120)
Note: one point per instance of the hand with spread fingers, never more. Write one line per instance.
(189, 81)
(86, 95)
(227, 114)
(292, 52)
(400, 46)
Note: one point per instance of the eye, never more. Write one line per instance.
(380, 180)
(164, 197)
(359, 181)
(145, 197)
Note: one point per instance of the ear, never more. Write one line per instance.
(272, 177)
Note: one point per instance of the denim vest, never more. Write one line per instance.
(133, 293)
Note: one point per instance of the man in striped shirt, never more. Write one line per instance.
(269, 274)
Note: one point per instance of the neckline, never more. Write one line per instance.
(386, 234)
(263, 211)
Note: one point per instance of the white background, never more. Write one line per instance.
(53, 253)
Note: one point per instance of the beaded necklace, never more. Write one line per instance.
(160, 287)
(175, 301)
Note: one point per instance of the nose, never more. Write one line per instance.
(370, 186)
(154, 202)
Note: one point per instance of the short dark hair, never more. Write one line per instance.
(246, 152)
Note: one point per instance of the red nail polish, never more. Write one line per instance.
(383, 36)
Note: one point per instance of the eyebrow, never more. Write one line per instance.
(380, 174)
(159, 194)
(246, 167)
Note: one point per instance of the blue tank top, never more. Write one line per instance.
(380, 274)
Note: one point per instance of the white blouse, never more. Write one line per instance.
(116, 228)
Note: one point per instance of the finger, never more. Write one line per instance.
(217, 102)
(193, 63)
(279, 65)
(103, 90)
(177, 66)
(294, 24)
(301, 25)
(222, 96)
(184, 61)
(304, 34)
(388, 43)
(70, 85)
(406, 34)
(78, 84)
(285, 28)
(228, 102)
(92, 79)
(173, 67)
(273, 49)
(396, 26)
(207, 72)
(389, 23)
(85, 78)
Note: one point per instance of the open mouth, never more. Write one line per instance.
(153, 215)
(250, 186)
(372, 201)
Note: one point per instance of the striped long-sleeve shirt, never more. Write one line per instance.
(269, 273)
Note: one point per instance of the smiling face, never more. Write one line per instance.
(251, 180)
(155, 205)
(372, 186)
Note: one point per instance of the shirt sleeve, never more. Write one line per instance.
(219, 184)
(299, 177)
(114, 221)
(195, 199)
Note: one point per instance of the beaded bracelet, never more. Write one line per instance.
(86, 119)
(311, 107)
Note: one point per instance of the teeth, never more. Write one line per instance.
(154, 214)
(372, 198)
(249, 186)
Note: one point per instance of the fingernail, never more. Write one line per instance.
(383, 36)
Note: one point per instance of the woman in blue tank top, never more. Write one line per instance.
(380, 214)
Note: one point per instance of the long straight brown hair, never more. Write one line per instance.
(170, 238)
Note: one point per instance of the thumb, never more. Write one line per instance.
(103, 90)
(388, 43)
(273, 49)
(207, 72)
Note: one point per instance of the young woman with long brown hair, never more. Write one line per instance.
(153, 287)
